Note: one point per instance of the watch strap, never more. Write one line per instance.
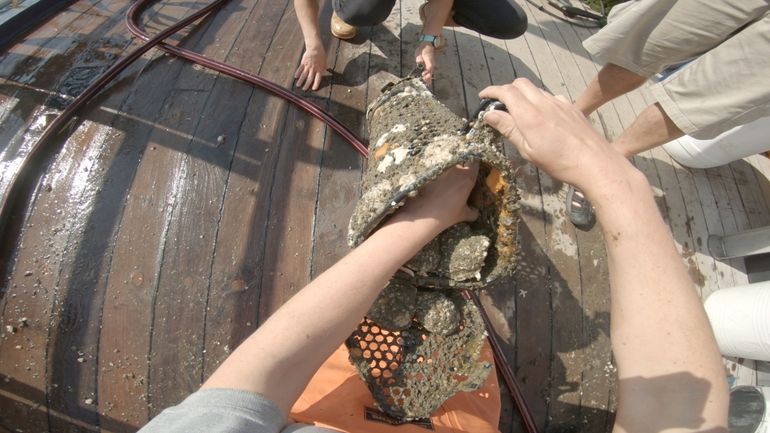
(431, 39)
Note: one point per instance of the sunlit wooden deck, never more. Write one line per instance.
(186, 207)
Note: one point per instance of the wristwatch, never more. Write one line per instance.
(436, 41)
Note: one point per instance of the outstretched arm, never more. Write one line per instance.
(670, 371)
(313, 64)
(280, 358)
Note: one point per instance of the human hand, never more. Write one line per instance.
(549, 132)
(425, 55)
(444, 201)
(312, 68)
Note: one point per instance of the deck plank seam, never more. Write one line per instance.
(55, 304)
(109, 255)
(195, 38)
(569, 231)
(220, 78)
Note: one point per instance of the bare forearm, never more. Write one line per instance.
(668, 362)
(322, 315)
(307, 15)
(661, 336)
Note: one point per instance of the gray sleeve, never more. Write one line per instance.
(219, 410)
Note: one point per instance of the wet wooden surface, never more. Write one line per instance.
(185, 207)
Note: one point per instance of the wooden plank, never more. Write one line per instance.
(11, 120)
(236, 271)
(524, 65)
(340, 176)
(31, 296)
(411, 27)
(217, 35)
(46, 250)
(731, 213)
(384, 54)
(473, 66)
(759, 166)
(448, 81)
(294, 189)
(43, 44)
(147, 189)
(560, 75)
(140, 170)
(598, 375)
(697, 227)
(600, 397)
(679, 218)
(74, 326)
(25, 16)
(751, 196)
(45, 74)
(714, 226)
(177, 342)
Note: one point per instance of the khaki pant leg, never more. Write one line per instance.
(725, 87)
(646, 36)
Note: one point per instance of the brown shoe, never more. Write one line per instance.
(449, 21)
(341, 29)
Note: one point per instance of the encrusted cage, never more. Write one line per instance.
(421, 342)
(414, 139)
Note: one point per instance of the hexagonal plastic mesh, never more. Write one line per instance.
(411, 372)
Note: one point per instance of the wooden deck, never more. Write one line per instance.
(185, 207)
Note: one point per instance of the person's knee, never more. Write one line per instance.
(511, 22)
(506, 20)
(515, 27)
(365, 13)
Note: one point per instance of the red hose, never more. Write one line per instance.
(318, 112)
(505, 368)
(19, 180)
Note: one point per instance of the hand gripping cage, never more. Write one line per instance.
(421, 341)
(414, 139)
